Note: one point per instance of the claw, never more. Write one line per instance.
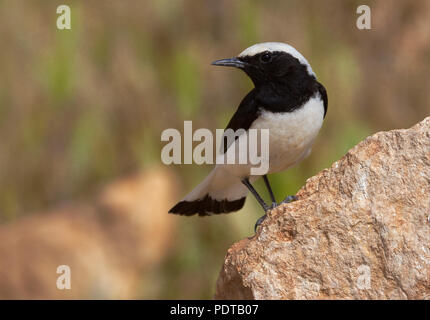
(273, 206)
(290, 199)
(259, 221)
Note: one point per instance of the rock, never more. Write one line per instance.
(359, 230)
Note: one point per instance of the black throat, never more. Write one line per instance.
(286, 94)
(282, 84)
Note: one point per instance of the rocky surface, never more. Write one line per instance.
(360, 230)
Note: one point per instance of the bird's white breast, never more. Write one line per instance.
(291, 134)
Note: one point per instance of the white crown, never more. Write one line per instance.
(276, 46)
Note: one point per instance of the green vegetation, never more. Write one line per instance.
(81, 107)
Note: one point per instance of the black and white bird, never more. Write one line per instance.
(289, 101)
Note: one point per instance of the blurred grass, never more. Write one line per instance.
(80, 107)
(185, 79)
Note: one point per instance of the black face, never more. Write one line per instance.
(282, 83)
(273, 67)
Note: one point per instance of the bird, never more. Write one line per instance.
(288, 100)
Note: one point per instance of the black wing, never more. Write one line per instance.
(323, 94)
(244, 116)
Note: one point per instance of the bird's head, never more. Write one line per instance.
(270, 62)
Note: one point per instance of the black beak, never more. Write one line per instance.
(232, 62)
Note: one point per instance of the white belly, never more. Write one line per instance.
(291, 135)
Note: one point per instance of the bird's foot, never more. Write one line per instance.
(273, 206)
(289, 199)
(286, 200)
(259, 222)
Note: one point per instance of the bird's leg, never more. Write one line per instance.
(255, 193)
(288, 199)
(260, 201)
(269, 188)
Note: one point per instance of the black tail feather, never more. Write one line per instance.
(207, 206)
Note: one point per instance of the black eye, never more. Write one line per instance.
(265, 57)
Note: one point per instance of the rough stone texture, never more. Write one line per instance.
(359, 230)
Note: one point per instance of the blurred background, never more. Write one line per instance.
(82, 111)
